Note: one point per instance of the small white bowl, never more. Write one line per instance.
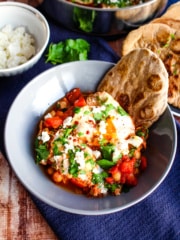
(20, 14)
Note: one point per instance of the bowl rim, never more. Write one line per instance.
(42, 18)
(78, 211)
(149, 2)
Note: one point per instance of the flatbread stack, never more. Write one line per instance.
(162, 36)
(139, 82)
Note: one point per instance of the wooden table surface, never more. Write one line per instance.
(19, 217)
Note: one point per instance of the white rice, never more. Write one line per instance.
(16, 46)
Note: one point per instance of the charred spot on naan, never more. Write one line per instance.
(124, 101)
(154, 83)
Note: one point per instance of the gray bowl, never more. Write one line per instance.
(22, 15)
(35, 99)
(101, 21)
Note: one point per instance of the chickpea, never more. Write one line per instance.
(137, 154)
(53, 113)
(63, 103)
(50, 170)
(136, 171)
(57, 177)
(117, 191)
(43, 162)
(116, 176)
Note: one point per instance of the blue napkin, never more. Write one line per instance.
(170, 2)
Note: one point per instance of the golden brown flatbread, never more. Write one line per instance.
(152, 36)
(139, 82)
(165, 42)
(174, 91)
(172, 64)
(173, 23)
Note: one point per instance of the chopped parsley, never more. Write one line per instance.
(107, 151)
(105, 164)
(104, 113)
(113, 187)
(77, 110)
(131, 152)
(56, 149)
(98, 178)
(68, 51)
(121, 111)
(73, 167)
(42, 152)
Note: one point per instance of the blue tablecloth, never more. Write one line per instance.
(155, 218)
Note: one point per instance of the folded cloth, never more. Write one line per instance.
(170, 2)
(155, 218)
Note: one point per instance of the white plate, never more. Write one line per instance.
(27, 110)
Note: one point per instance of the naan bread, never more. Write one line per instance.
(173, 23)
(151, 36)
(139, 82)
(165, 42)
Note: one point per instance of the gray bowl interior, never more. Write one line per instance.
(31, 103)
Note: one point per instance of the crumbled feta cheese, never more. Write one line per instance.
(65, 165)
(67, 122)
(56, 158)
(102, 127)
(97, 154)
(79, 158)
(48, 116)
(98, 109)
(70, 145)
(44, 136)
(103, 189)
(97, 169)
(83, 176)
(135, 141)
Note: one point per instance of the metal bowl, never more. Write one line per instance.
(102, 21)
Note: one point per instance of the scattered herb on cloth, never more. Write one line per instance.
(68, 51)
